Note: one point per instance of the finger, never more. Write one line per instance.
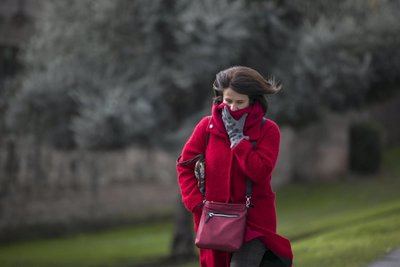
(228, 114)
(243, 119)
(224, 117)
(223, 112)
(226, 111)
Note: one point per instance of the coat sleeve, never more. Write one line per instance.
(195, 145)
(258, 162)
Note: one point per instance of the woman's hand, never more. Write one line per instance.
(233, 127)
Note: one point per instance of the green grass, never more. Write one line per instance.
(108, 248)
(345, 223)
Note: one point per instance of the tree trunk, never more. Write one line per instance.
(182, 244)
(11, 165)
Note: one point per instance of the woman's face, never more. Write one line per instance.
(235, 100)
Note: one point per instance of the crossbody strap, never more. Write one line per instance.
(249, 183)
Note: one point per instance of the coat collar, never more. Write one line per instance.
(252, 126)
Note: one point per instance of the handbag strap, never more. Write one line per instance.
(249, 183)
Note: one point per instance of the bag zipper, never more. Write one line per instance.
(212, 214)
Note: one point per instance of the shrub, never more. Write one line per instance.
(365, 148)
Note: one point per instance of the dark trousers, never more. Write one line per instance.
(255, 254)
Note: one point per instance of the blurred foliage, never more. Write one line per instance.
(339, 55)
(365, 148)
(103, 74)
(121, 71)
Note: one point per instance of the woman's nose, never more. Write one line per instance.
(233, 107)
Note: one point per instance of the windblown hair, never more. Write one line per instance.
(247, 81)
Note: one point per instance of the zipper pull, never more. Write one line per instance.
(209, 216)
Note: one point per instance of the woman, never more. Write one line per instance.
(227, 139)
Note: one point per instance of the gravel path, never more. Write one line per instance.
(390, 260)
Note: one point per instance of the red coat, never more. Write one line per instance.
(226, 173)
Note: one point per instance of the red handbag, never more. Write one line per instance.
(222, 226)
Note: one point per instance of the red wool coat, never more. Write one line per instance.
(226, 173)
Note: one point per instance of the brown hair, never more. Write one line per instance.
(247, 81)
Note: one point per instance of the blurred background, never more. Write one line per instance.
(97, 98)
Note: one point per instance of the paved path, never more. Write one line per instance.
(390, 260)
